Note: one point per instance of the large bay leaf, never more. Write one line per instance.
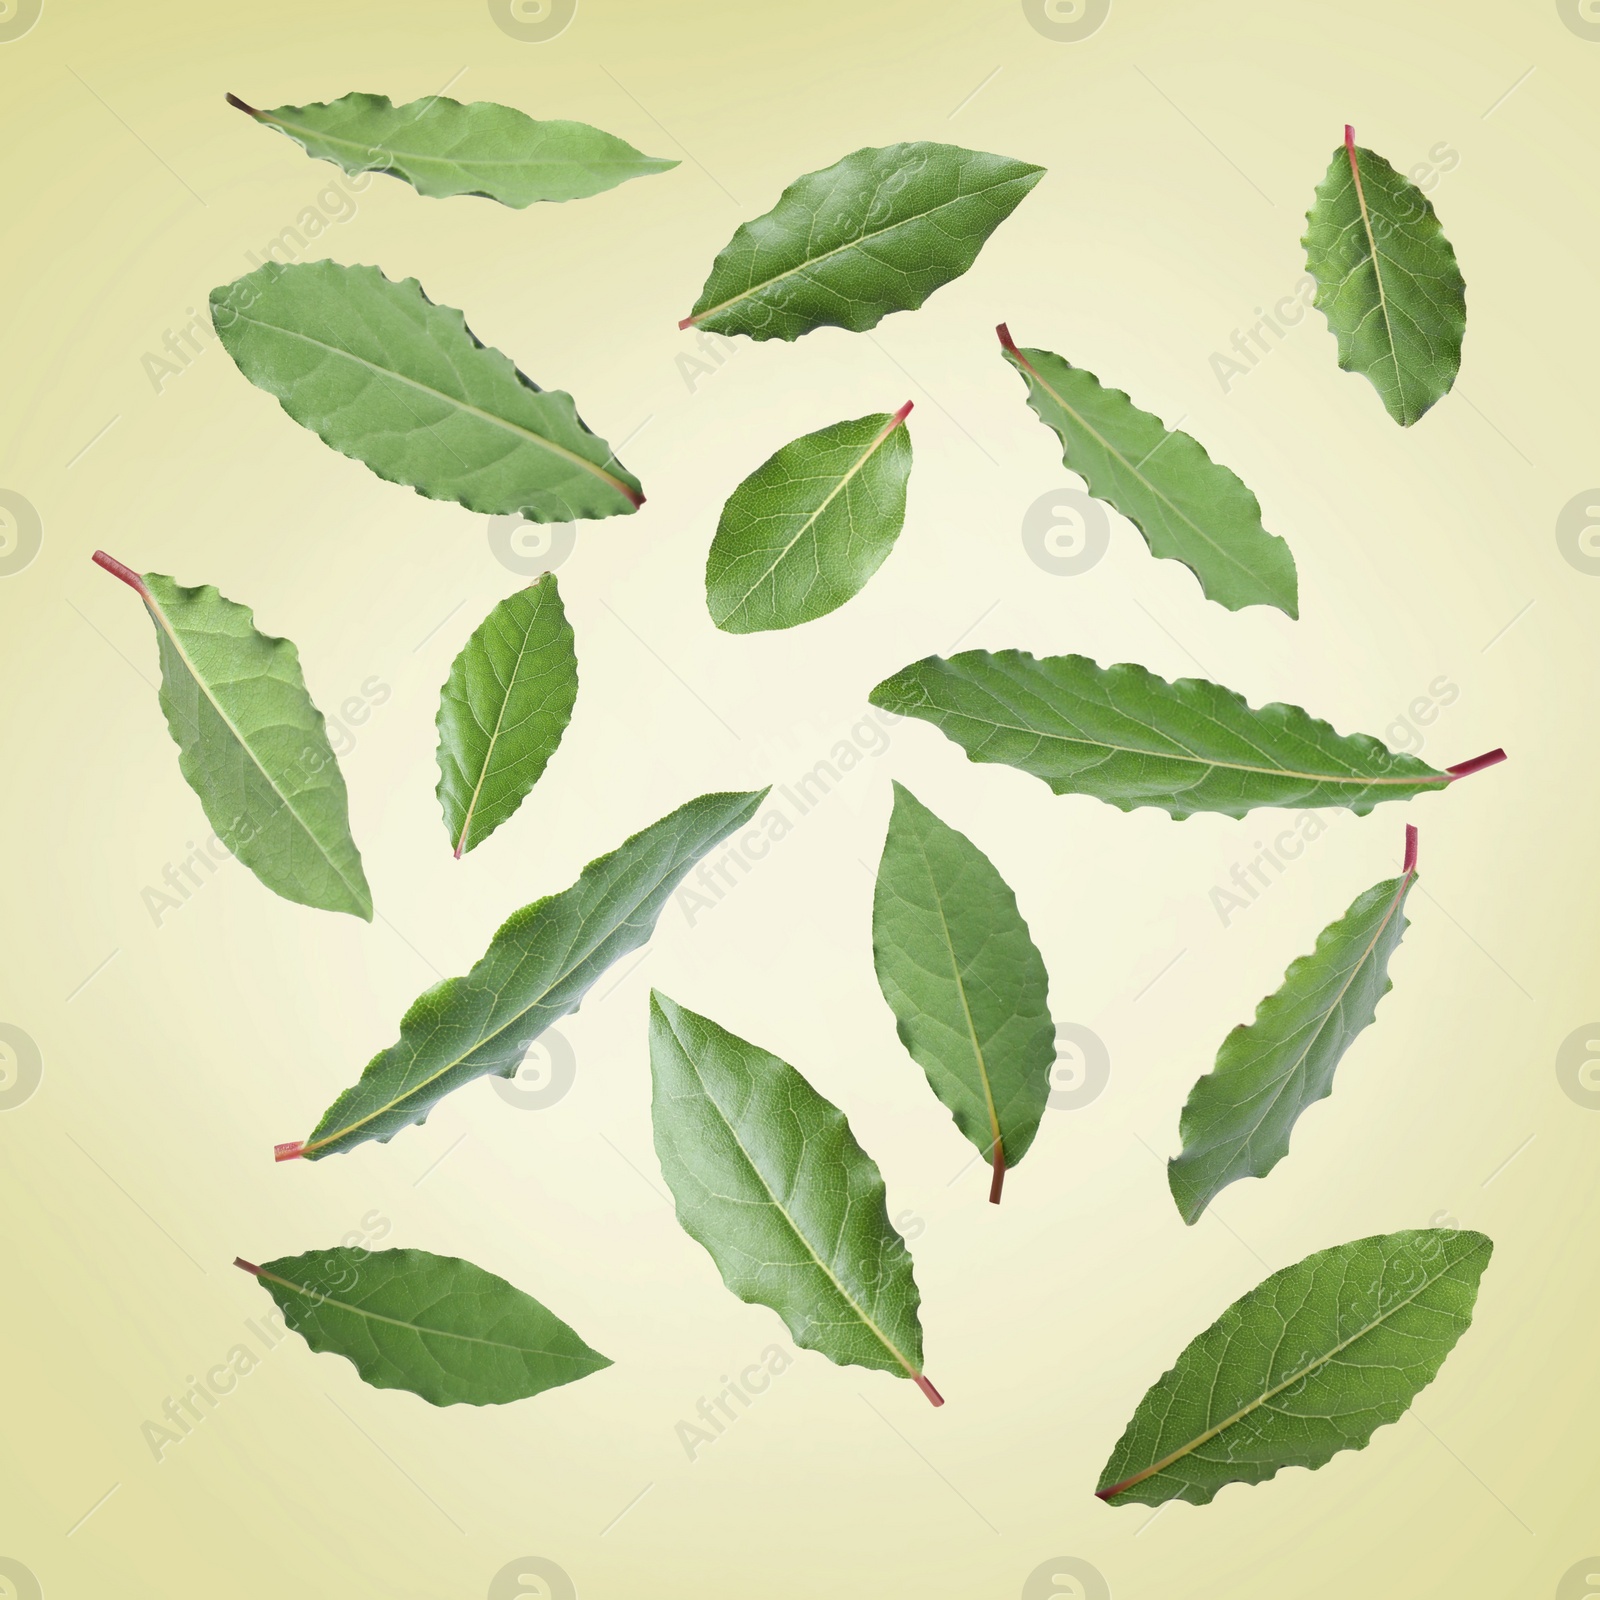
(251, 744)
(1310, 1362)
(438, 1326)
(441, 147)
(876, 232)
(1133, 739)
(807, 529)
(537, 969)
(768, 1177)
(379, 372)
(1188, 507)
(503, 709)
(1238, 1118)
(966, 984)
(1387, 281)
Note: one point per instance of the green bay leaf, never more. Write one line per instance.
(1132, 739)
(442, 148)
(1238, 1118)
(1188, 507)
(1387, 281)
(767, 1176)
(1310, 1362)
(876, 232)
(537, 969)
(380, 373)
(251, 744)
(806, 530)
(966, 984)
(438, 1326)
(503, 710)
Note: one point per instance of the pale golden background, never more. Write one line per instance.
(1183, 143)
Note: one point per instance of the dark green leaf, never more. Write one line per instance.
(1239, 1116)
(967, 986)
(379, 372)
(1387, 281)
(441, 147)
(1133, 739)
(503, 709)
(537, 969)
(876, 232)
(1311, 1362)
(252, 745)
(768, 1177)
(440, 1327)
(807, 529)
(1187, 506)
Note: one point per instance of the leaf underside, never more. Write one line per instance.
(1239, 1117)
(442, 147)
(964, 980)
(876, 232)
(381, 374)
(537, 969)
(437, 1326)
(254, 748)
(1132, 739)
(503, 710)
(1387, 281)
(806, 530)
(1189, 508)
(1310, 1362)
(767, 1177)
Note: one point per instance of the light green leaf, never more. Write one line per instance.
(442, 148)
(769, 1179)
(876, 232)
(503, 709)
(967, 986)
(1188, 507)
(252, 745)
(1311, 1362)
(1132, 739)
(537, 969)
(1387, 281)
(1239, 1116)
(807, 529)
(438, 1326)
(379, 372)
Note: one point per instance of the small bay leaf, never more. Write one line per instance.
(503, 709)
(435, 1325)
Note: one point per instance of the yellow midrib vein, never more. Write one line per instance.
(1377, 275)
